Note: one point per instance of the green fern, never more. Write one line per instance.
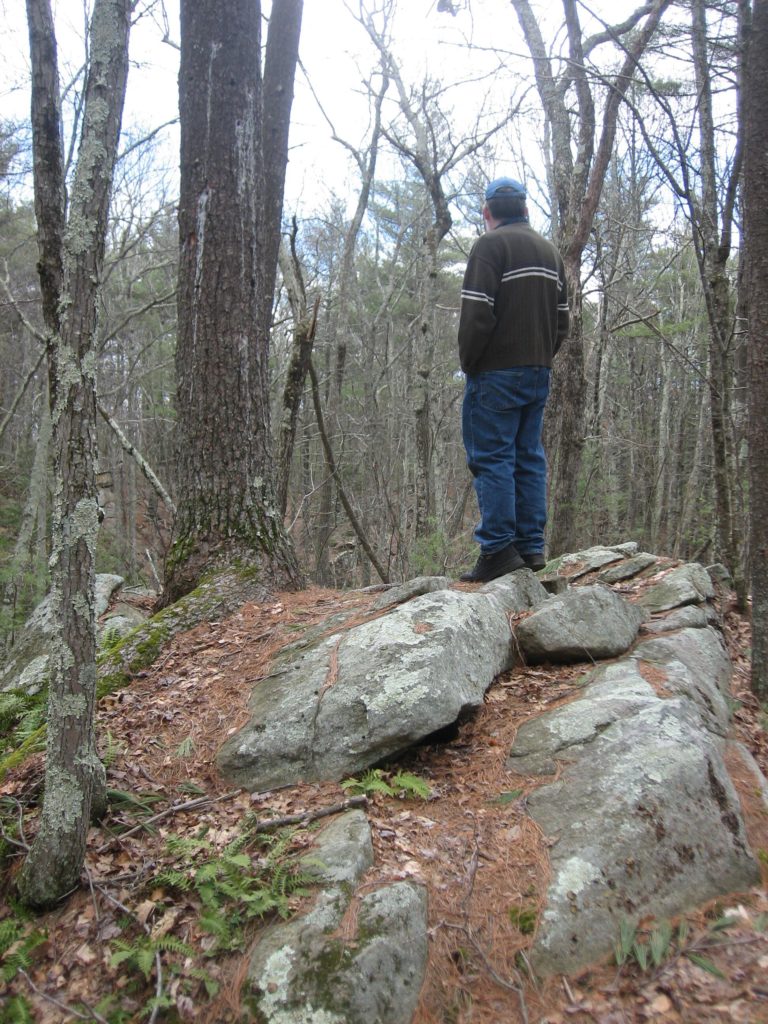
(110, 638)
(108, 1008)
(181, 846)
(18, 941)
(411, 785)
(10, 929)
(29, 723)
(171, 879)
(214, 923)
(22, 728)
(13, 754)
(141, 954)
(211, 985)
(16, 1011)
(171, 944)
(373, 781)
(233, 886)
(13, 704)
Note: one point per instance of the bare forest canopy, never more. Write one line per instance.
(628, 134)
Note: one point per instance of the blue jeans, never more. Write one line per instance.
(502, 419)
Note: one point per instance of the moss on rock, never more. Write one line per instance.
(220, 594)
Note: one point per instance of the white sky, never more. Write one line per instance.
(336, 55)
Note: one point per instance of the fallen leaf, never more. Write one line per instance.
(166, 922)
(85, 954)
(144, 910)
(661, 1004)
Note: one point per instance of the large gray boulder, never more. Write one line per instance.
(643, 817)
(410, 589)
(626, 570)
(363, 694)
(688, 584)
(583, 623)
(302, 973)
(690, 616)
(591, 559)
(692, 663)
(614, 692)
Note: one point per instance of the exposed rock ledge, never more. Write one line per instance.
(633, 791)
(642, 816)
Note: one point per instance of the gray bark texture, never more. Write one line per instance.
(227, 509)
(756, 230)
(74, 780)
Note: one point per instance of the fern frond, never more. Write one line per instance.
(411, 785)
(172, 944)
(17, 1011)
(10, 931)
(171, 879)
(215, 924)
(145, 959)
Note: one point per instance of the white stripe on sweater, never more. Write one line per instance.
(476, 297)
(547, 272)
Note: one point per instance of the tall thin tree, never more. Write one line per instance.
(578, 158)
(70, 267)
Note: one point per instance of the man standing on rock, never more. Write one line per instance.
(514, 318)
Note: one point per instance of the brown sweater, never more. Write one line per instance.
(514, 301)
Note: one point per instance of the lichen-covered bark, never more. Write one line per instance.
(226, 504)
(74, 780)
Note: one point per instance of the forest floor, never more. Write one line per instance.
(158, 932)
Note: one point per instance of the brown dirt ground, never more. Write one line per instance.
(484, 861)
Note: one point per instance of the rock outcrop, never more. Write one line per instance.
(643, 817)
(351, 699)
(630, 783)
(303, 970)
(591, 622)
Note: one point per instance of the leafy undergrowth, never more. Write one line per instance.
(184, 872)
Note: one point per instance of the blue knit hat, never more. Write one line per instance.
(505, 188)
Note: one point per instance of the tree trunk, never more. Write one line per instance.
(564, 423)
(279, 72)
(23, 554)
(756, 231)
(304, 327)
(74, 776)
(713, 249)
(578, 186)
(227, 510)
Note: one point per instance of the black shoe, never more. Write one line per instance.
(535, 561)
(490, 567)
